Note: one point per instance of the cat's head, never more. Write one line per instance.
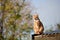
(35, 16)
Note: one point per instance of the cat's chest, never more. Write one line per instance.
(36, 25)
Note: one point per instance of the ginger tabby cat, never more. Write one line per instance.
(38, 26)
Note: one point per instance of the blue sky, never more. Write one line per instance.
(48, 10)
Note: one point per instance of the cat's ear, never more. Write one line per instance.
(35, 16)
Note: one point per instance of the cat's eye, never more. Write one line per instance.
(36, 18)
